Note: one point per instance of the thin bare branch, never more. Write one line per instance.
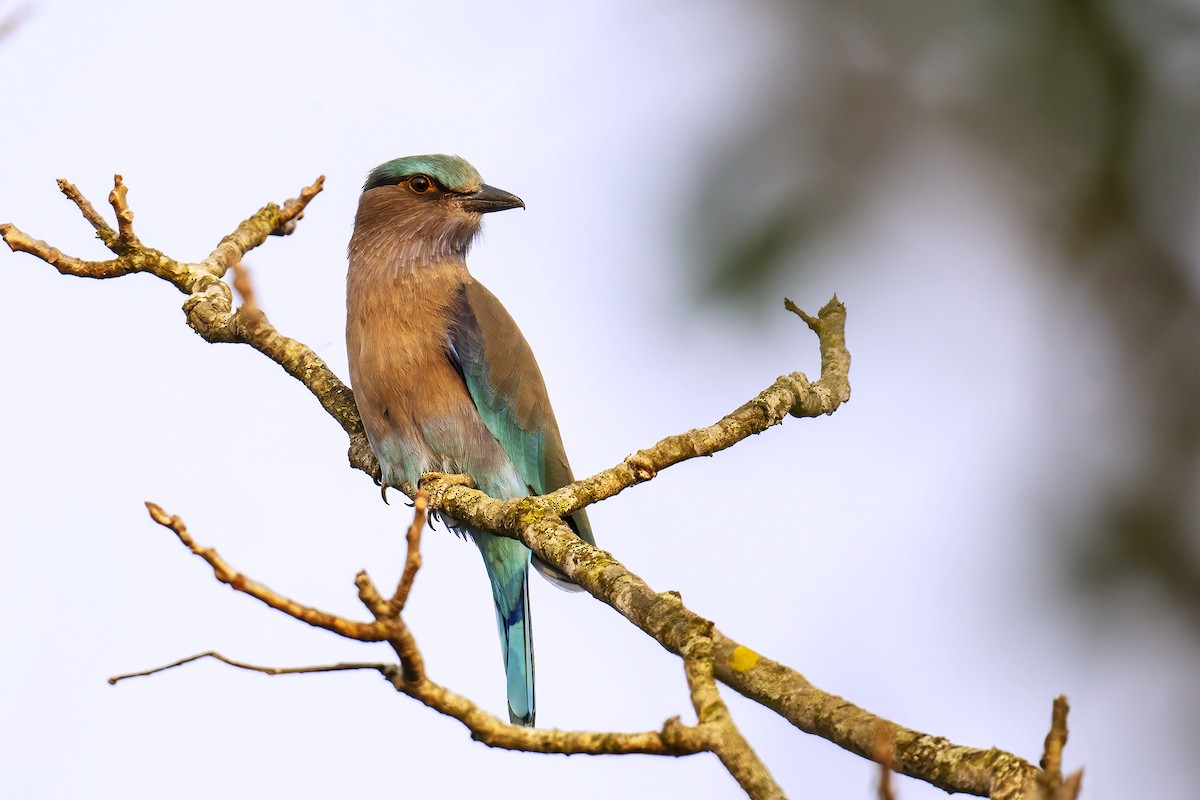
(885, 755)
(1050, 783)
(253, 231)
(293, 209)
(383, 669)
(244, 286)
(363, 632)
(97, 221)
(955, 768)
(726, 741)
(399, 636)
(674, 739)
(120, 205)
(789, 395)
(20, 242)
(388, 626)
(1056, 739)
(1072, 786)
(412, 562)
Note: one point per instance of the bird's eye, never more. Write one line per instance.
(420, 184)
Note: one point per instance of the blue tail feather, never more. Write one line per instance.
(507, 563)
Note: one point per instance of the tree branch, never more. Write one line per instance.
(955, 768)
(1050, 782)
(537, 522)
(726, 740)
(343, 667)
(788, 395)
(412, 562)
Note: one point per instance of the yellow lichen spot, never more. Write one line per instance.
(743, 659)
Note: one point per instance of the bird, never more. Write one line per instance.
(443, 378)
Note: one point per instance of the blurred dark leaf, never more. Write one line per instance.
(1093, 106)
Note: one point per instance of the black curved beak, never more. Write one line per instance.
(489, 198)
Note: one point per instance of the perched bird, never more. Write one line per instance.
(443, 378)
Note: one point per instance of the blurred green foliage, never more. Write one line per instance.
(1093, 106)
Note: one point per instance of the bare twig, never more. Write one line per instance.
(885, 755)
(789, 395)
(1050, 783)
(384, 669)
(1072, 786)
(244, 286)
(1056, 740)
(116, 198)
(885, 783)
(363, 632)
(726, 741)
(97, 221)
(412, 562)
(388, 611)
(270, 220)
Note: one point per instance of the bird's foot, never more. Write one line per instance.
(437, 484)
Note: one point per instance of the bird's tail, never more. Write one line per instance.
(507, 563)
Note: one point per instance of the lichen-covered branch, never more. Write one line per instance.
(788, 395)
(727, 741)
(956, 768)
(537, 522)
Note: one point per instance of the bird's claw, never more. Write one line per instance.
(437, 484)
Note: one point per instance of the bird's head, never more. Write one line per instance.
(429, 206)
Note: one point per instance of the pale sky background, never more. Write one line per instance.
(901, 560)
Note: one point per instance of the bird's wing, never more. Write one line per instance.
(504, 381)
